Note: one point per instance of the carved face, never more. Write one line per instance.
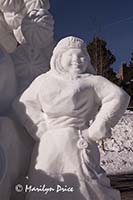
(74, 61)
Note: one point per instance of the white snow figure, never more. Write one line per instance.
(7, 39)
(7, 81)
(19, 5)
(29, 63)
(15, 145)
(37, 28)
(15, 10)
(32, 58)
(56, 110)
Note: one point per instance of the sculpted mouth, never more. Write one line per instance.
(76, 64)
(76, 69)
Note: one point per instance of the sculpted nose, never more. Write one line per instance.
(75, 57)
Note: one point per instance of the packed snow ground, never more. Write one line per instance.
(117, 151)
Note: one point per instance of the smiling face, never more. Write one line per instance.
(74, 61)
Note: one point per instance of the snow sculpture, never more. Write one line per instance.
(32, 25)
(29, 63)
(32, 58)
(23, 5)
(15, 10)
(57, 109)
(15, 153)
(7, 81)
(37, 28)
(7, 39)
(11, 140)
(15, 144)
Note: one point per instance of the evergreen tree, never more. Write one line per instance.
(125, 76)
(102, 58)
(128, 82)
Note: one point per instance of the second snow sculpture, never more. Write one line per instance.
(13, 12)
(7, 39)
(60, 104)
(37, 28)
(32, 58)
(7, 81)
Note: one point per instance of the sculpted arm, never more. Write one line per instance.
(28, 109)
(113, 101)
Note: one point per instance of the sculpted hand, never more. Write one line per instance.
(98, 131)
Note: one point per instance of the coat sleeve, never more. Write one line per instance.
(113, 102)
(28, 110)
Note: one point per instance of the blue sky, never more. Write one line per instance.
(112, 20)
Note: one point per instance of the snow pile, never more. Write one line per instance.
(117, 151)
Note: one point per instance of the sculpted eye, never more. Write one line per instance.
(82, 58)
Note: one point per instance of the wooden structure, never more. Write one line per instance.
(124, 183)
